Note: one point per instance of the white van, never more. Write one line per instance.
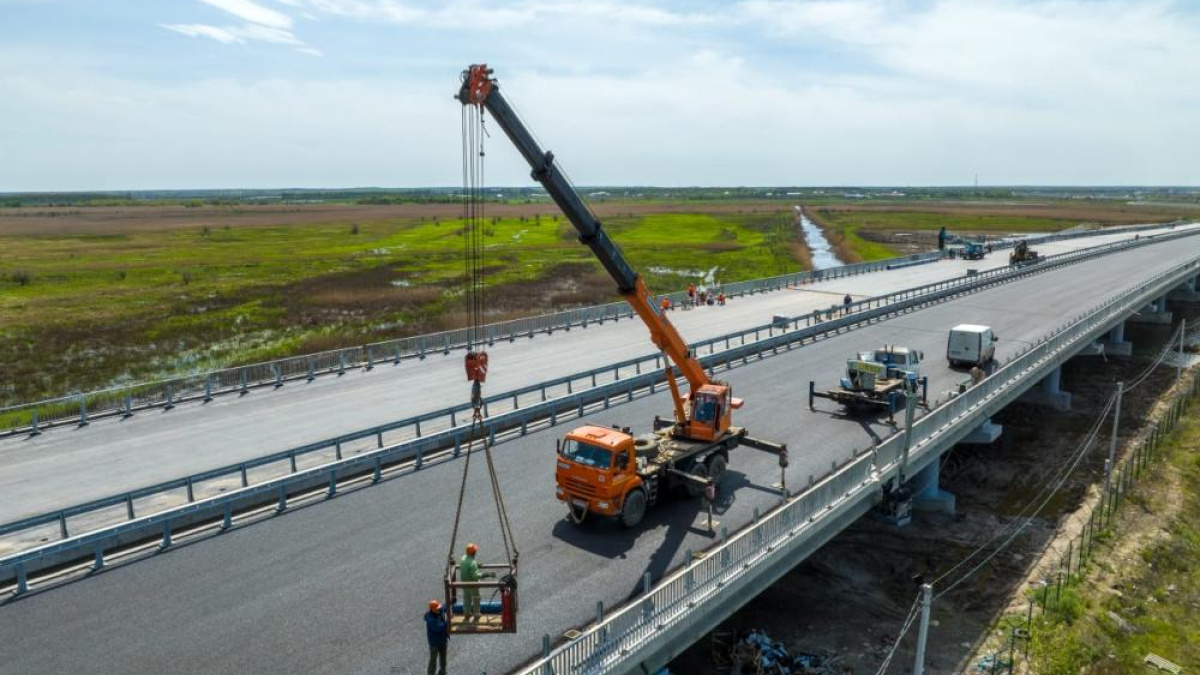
(971, 345)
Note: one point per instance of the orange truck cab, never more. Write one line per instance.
(596, 470)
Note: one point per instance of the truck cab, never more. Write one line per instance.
(596, 468)
(898, 361)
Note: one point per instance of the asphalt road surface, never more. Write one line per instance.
(70, 465)
(340, 587)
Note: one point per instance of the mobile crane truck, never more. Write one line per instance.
(607, 471)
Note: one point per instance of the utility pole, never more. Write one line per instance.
(1112, 442)
(1182, 337)
(923, 634)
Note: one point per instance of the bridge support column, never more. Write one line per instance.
(927, 494)
(1185, 293)
(1049, 393)
(1156, 313)
(1114, 343)
(984, 434)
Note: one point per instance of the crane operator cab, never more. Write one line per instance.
(709, 414)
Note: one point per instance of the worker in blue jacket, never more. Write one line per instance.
(437, 630)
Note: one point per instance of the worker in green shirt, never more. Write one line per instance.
(468, 570)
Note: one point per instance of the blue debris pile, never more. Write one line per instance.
(757, 654)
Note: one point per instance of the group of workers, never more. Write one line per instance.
(696, 296)
(437, 622)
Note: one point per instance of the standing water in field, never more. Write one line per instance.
(822, 253)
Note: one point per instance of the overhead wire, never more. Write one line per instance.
(908, 621)
(1026, 517)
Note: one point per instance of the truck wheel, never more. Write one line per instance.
(634, 509)
(716, 468)
(699, 471)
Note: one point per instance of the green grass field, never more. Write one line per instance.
(86, 311)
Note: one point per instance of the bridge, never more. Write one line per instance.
(338, 584)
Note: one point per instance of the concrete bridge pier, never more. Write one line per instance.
(928, 494)
(1048, 392)
(984, 434)
(1114, 343)
(1156, 313)
(1186, 292)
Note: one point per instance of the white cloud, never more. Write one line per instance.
(261, 24)
(254, 13)
(201, 30)
(478, 16)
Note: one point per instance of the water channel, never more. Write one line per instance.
(822, 253)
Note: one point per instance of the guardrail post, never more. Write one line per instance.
(648, 605)
(33, 428)
(396, 358)
(129, 505)
(62, 524)
(83, 414)
(278, 374)
(370, 358)
(166, 536)
(22, 579)
(311, 374)
(547, 669)
(282, 499)
(379, 439)
(128, 404)
(420, 459)
(98, 563)
(245, 481)
(417, 424)
(332, 482)
(292, 457)
(191, 495)
(227, 522)
(170, 397)
(341, 362)
(245, 383)
(378, 475)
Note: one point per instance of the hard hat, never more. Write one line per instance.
(472, 549)
(435, 606)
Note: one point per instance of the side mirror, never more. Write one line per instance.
(995, 338)
(558, 445)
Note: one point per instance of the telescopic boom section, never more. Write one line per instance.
(480, 89)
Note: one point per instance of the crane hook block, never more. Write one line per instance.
(477, 84)
(477, 366)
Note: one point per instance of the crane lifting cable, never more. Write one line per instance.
(466, 581)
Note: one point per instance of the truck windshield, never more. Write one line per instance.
(583, 453)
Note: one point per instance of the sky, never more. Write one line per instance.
(176, 94)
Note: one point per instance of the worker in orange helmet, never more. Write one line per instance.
(666, 303)
(438, 633)
(468, 570)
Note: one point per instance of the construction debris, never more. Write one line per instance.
(757, 654)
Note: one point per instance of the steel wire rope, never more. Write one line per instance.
(1019, 525)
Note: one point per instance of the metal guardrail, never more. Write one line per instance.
(517, 420)
(125, 400)
(622, 642)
